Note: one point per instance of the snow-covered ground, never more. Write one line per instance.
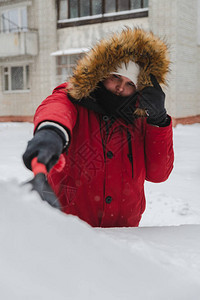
(45, 254)
(174, 202)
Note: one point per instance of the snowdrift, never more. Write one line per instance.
(46, 254)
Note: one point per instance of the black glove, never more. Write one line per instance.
(152, 99)
(46, 145)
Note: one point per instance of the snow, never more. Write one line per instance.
(80, 18)
(70, 51)
(112, 14)
(177, 201)
(126, 12)
(46, 254)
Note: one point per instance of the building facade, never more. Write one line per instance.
(40, 41)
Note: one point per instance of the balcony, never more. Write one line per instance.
(18, 44)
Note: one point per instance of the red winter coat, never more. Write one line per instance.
(105, 190)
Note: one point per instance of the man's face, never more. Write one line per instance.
(119, 85)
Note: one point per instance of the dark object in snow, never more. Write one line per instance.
(40, 184)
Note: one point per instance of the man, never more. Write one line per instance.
(110, 124)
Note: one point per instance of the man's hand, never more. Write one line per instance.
(46, 145)
(152, 99)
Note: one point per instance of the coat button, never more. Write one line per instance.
(106, 118)
(109, 154)
(108, 199)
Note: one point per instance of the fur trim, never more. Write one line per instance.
(143, 48)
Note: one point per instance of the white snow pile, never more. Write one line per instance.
(45, 254)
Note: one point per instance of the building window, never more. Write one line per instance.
(84, 8)
(69, 9)
(65, 65)
(96, 7)
(110, 6)
(123, 5)
(14, 20)
(16, 78)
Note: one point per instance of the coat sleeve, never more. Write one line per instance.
(57, 108)
(159, 154)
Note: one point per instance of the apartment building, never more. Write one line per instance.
(41, 40)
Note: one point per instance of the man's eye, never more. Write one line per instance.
(116, 76)
(131, 84)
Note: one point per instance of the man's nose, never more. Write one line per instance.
(120, 87)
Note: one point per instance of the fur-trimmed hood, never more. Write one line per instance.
(137, 45)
